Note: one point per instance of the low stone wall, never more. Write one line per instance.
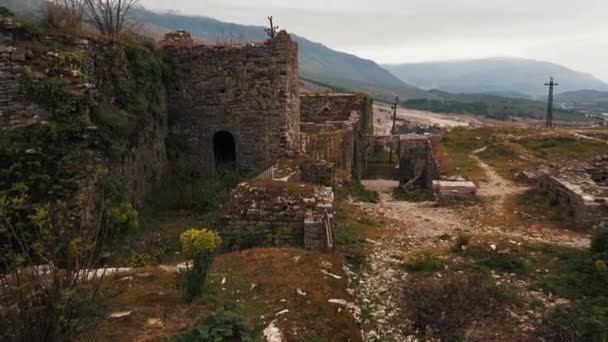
(319, 172)
(588, 210)
(270, 213)
(453, 192)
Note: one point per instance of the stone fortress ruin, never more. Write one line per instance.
(242, 105)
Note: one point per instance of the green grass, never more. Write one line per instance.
(350, 236)
(564, 148)
(507, 262)
(415, 195)
(358, 193)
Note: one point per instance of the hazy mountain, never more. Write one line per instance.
(318, 63)
(494, 75)
(589, 100)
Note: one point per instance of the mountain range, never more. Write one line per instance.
(512, 77)
(318, 63)
(322, 67)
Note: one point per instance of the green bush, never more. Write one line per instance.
(198, 244)
(422, 262)
(599, 241)
(5, 12)
(445, 308)
(224, 324)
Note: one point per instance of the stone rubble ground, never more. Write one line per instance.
(415, 226)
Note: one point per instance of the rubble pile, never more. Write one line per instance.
(598, 170)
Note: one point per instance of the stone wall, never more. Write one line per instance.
(323, 108)
(271, 213)
(574, 192)
(249, 91)
(142, 165)
(16, 109)
(319, 172)
(417, 163)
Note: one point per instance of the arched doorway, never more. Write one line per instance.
(224, 149)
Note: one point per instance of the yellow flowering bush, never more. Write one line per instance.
(197, 242)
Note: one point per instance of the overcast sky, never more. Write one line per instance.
(569, 32)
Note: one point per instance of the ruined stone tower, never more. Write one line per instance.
(233, 103)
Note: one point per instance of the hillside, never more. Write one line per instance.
(492, 106)
(591, 100)
(502, 76)
(318, 63)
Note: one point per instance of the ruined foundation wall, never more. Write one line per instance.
(250, 91)
(417, 163)
(587, 211)
(269, 213)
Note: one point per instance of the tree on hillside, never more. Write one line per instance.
(63, 13)
(110, 16)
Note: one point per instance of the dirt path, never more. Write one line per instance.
(408, 227)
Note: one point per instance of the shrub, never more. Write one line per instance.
(599, 241)
(422, 262)
(444, 308)
(461, 243)
(46, 288)
(223, 324)
(5, 12)
(198, 244)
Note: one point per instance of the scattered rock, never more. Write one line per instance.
(272, 333)
(121, 314)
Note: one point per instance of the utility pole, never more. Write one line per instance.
(394, 107)
(551, 85)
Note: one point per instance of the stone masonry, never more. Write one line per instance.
(580, 190)
(271, 213)
(16, 110)
(250, 92)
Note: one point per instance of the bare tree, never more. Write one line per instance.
(63, 13)
(110, 16)
(272, 30)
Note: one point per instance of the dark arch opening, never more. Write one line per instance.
(224, 148)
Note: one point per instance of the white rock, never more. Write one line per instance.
(331, 274)
(272, 333)
(282, 312)
(120, 314)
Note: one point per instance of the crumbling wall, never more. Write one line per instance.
(324, 108)
(16, 109)
(249, 91)
(321, 108)
(269, 213)
(106, 65)
(587, 209)
(319, 172)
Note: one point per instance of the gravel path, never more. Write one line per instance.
(413, 226)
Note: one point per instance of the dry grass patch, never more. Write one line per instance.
(259, 283)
